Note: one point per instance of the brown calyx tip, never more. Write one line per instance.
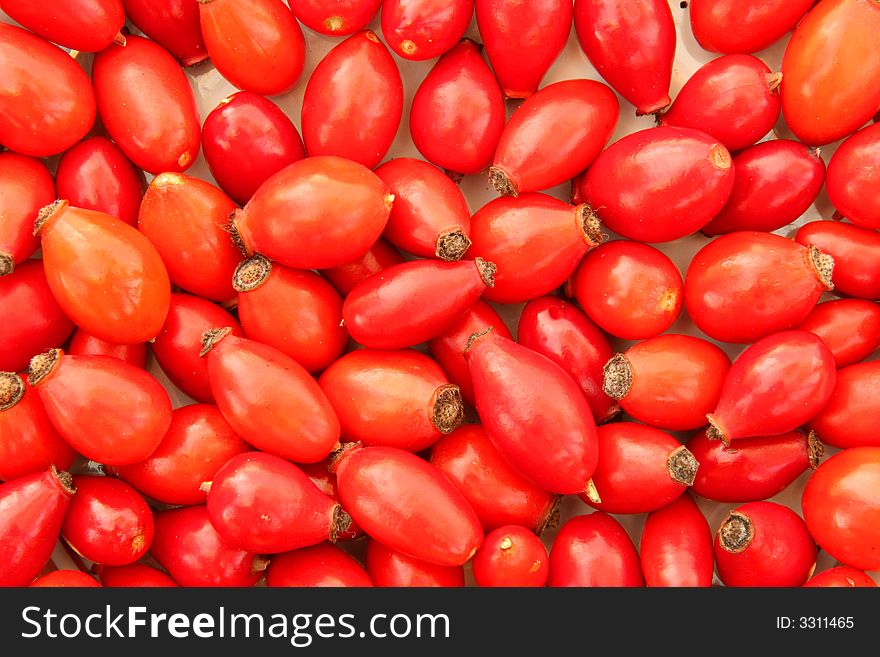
(502, 182)
(53, 209)
(11, 390)
(551, 518)
(338, 455)
(409, 47)
(719, 156)
(736, 532)
(714, 430)
(591, 493)
(42, 365)
(487, 271)
(7, 264)
(337, 24)
(452, 245)
(774, 80)
(815, 449)
(447, 408)
(823, 265)
(618, 377)
(682, 466)
(65, 479)
(211, 337)
(474, 337)
(231, 227)
(251, 273)
(589, 225)
(341, 523)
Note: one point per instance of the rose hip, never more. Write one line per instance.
(744, 25)
(849, 419)
(511, 556)
(325, 481)
(85, 344)
(337, 19)
(66, 579)
(133, 575)
(841, 576)
(26, 186)
(676, 546)
(323, 565)
(173, 24)
(850, 185)
(379, 256)
(850, 328)
(423, 29)
(856, 254)
(389, 568)
(87, 25)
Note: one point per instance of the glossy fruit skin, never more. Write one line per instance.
(594, 550)
(831, 88)
(511, 556)
(28, 441)
(32, 509)
(54, 104)
(191, 550)
(781, 552)
(106, 276)
(133, 575)
(554, 135)
(430, 217)
(448, 347)
(631, 47)
(675, 381)
(744, 26)
(173, 24)
(458, 112)
(87, 25)
(178, 344)
(257, 46)
(106, 409)
(108, 522)
(271, 401)
(295, 311)
(745, 285)
(850, 328)
(849, 419)
(389, 309)
(751, 469)
(318, 565)
(25, 186)
(43, 326)
(841, 576)
(856, 253)
(392, 398)
(96, 175)
(198, 443)
(841, 509)
(850, 187)
(498, 494)
(523, 40)
(676, 546)
(407, 504)
(643, 186)
(247, 139)
(380, 255)
(316, 213)
(559, 330)
(529, 407)
(424, 29)
(389, 568)
(353, 102)
(631, 290)
(774, 184)
(775, 385)
(147, 105)
(65, 579)
(183, 217)
(535, 240)
(340, 18)
(325, 481)
(84, 344)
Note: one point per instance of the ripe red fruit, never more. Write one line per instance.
(32, 509)
(319, 565)
(511, 556)
(554, 135)
(133, 575)
(389, 568)
(337, 19)
(106, 409)
(388, 310)
(841, 576)
(534, 413)
(775, 385)
(269, 399)
(26, 186)
(631, 46)
(744, 25)
(850, 328)
(849, 419)
(423, 29)
(850, 186)
(147, 105)
(87, 25)
(594, 550)
(764, 544)
(746, 285)
(173, 24)
(676, 546)
(669, 382)
(659, 184)
(325, 481)
(84, 344)
(407, 504)
(856, 253)
(66, 579)
(380, 255)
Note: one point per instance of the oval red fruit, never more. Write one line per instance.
(676, 546)
(841, 576)
(423, 29)
(26, 186)
(389, 568)
(856, 253)
(320, 475)
(511, 556)
(66, 579)
(744, 25)
(850, 328)
(173, 24)
(133, 575)
(87, 25)
(849, 419)
(338, 19)
(851, 188)
(318, 565)
(85, 344)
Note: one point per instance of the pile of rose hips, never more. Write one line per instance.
(273, 468)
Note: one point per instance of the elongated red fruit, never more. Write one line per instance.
(269, 399)
(744, 25)
(133, 575)
(389, 568)
(335, 19)
(850, 186)
(849, 419)
(315, 213)
(534, 413)
(322, 565)
(631, 45)
(561, 331)
(841, 576)
(523, 40)
(554, 135)
(26, 186)
(378, 257)
(535, 240)
(85, 344)
(746, 285)
(32, 510)
(856, 254)
(775, 385)
(659, 184)
(387, 311)
(353, 102)
(173, 24)
(422, 29)
(774, 184)
(66, 579)
(87, 25)
(850, 328)
(511, 556)
(676, 546)
(752, 469)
